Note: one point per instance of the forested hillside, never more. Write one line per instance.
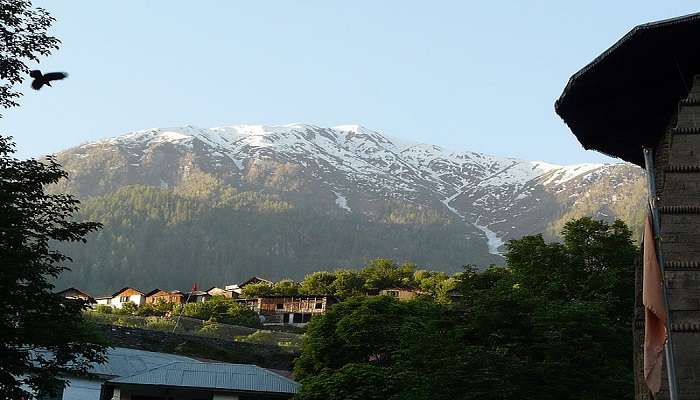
(214, 206)
(159, 237)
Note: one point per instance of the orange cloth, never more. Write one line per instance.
(655, 318)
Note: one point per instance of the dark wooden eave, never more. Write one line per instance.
(625, 98)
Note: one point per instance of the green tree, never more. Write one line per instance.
(32, 318)
(320, 282)
(257, 290)
(536, 329)
(24, 39)
(224, 310)
(382, 273)
(348, 283)
(285, 287)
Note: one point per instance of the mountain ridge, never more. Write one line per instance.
(350, 170)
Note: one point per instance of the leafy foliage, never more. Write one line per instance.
(553, 324)
(40, 332)
(23, 38)
(224, 310)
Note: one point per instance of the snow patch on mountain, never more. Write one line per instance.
(478, 189)
(493, 241)
(342, 202)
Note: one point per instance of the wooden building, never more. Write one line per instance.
(290, 310)
(156, 295)
(644, 92)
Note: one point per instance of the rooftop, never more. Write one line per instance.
(225, 377)
(626, 97)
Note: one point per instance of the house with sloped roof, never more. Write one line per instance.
(200, 380)
(73, 293)
(123, 295)
(160, 295)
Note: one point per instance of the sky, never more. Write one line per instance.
(466, 75)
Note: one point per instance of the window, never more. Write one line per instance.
(318, 306)
(393, 293)
(280, 306)
(123, 299)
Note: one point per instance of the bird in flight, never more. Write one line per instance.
(45, 79)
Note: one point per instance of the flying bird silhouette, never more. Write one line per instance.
(45, 79)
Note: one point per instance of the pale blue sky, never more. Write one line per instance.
(480, 76)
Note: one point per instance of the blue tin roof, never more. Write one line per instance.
(124, 362)
(212, 376)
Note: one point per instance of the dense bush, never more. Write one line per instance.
(103, 309)
(160, 324)
(553, 324)
(223, 310)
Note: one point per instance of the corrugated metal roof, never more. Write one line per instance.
(229, 377)
(124, 362)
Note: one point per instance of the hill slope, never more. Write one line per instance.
(215, 205)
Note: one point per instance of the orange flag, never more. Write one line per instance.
(655, 318)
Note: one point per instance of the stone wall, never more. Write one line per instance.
(201, 347)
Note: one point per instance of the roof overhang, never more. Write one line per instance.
(626, 98)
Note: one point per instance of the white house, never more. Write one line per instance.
(124, 295)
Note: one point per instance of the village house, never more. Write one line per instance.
(290, 310)
(124, 295)
(156, 295)
(216, 291)
(197, 296)
(401, 293)
(73, 293)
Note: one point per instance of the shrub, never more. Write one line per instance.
(160, 324)
(125, 323)
(210, 328)
(103, 309)
(127, 308)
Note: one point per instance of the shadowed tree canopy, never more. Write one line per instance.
(41, 333)
(23, 39)
(555, 323)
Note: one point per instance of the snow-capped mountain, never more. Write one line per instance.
(350, 169)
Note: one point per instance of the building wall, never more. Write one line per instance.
(677, 173)
(312, 305)
(82, 389)
(399, 293)
(131, 295)
(166, 297)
